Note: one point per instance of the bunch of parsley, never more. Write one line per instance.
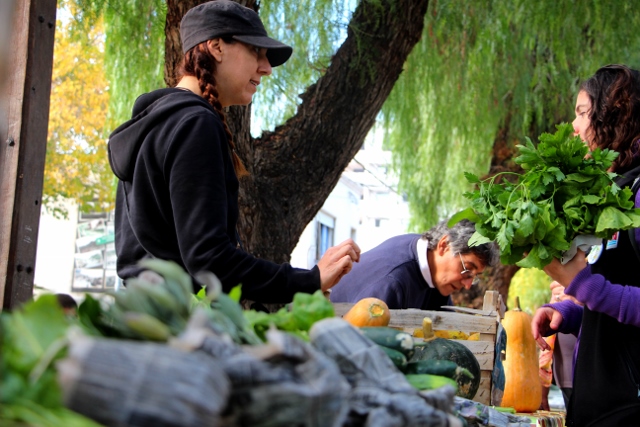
(564, 192)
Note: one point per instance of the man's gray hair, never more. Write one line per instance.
(458, 238)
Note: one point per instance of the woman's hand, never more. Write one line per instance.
(544, 320)
(557, 294)
(336, 262)
(564, 274)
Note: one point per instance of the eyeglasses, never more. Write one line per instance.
(467, 273)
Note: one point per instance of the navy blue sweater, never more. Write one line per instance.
(390, 272)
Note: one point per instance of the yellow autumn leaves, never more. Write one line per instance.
(77, 167)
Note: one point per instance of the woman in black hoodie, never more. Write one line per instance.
(177, 197)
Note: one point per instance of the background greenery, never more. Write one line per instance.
(484, 69)
(532, 286)
(485, 72)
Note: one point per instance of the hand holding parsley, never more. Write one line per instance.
(563, 193)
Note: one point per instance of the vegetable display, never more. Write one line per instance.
(432, 349)
(565, 191)
(155, 354)
(467, 378)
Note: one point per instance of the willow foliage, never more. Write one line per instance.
(315, 29)
(134, 48)
(482, 66)
(76, 166)
(488, 65)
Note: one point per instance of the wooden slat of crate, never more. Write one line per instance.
(483, 395)
(483, 351)
(443, 321)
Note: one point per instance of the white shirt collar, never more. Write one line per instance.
(422, 247)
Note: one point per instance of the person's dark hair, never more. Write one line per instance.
(66, 301)
(199, 63)
(458, 238)
(614, 91)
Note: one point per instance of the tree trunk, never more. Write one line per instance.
(295, 168)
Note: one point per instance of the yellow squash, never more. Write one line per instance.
(522, 389)
(368, 312)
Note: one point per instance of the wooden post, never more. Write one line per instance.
(23, 146)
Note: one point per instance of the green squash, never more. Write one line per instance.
(444, 349)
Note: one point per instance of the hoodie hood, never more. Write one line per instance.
(149, 111)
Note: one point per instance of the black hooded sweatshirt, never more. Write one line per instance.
(177, 198)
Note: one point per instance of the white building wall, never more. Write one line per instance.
(56, 250)
(342, 207)
(365, 206)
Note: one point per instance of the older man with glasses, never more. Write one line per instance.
(418, 271)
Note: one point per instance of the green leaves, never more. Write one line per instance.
(31, 340)
(562, 194)
(297, 318)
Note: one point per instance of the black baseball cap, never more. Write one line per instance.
(226, 18)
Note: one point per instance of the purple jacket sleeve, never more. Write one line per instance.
(616, 300)
(571, 316)
(598, 294)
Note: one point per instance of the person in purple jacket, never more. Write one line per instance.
(606, 382)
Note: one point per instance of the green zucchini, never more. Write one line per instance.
(446, 368)
(390, 338)
(505, 409)
(396, 357)
(429, 382)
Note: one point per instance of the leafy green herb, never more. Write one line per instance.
(297, 318)
(30, 341)
(565, 192)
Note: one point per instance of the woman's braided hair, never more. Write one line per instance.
(199, 62)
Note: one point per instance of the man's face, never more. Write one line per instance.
(448, 272)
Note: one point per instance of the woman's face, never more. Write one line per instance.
(238, 72)
(582, 122)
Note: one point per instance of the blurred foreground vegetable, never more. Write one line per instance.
(33, 338)
(296, 318)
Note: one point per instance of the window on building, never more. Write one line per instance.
(324, 234)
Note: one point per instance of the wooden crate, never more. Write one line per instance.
(484, 321)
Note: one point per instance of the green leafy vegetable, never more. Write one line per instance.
(32, 339)
(297, 318)
(565, 192)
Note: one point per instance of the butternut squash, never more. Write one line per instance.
(522, 389)
(368, 312)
